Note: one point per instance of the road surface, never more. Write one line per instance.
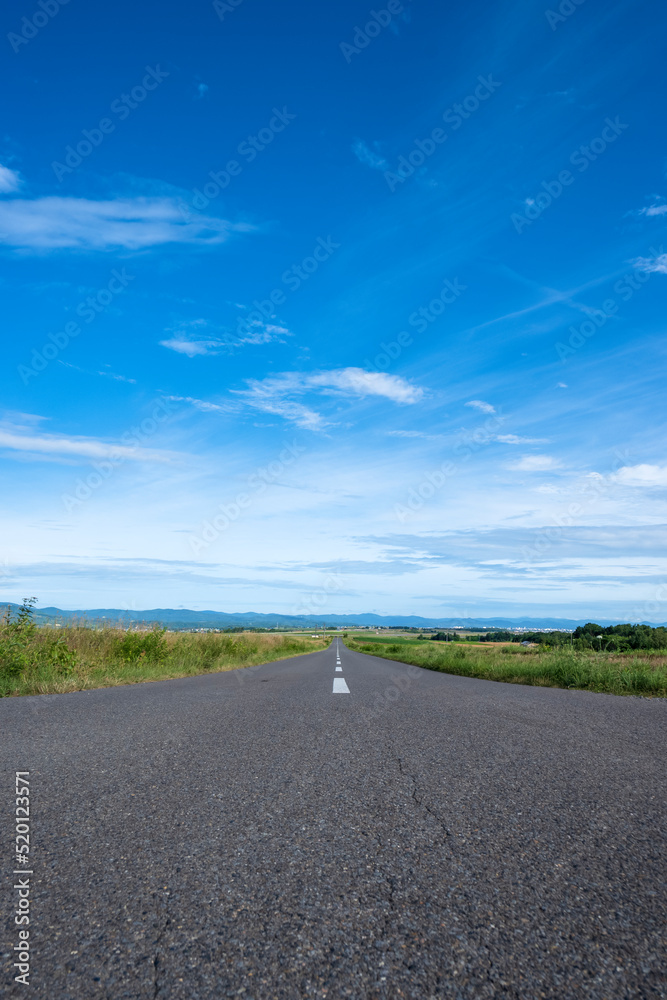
(378, 831)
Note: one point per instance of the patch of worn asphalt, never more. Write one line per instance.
(252, 834)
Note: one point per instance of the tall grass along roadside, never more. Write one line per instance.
(49, 660)
(638, 673)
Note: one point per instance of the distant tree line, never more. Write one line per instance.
(621, 637)
(615, 638)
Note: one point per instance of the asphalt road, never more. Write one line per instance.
(254, 834)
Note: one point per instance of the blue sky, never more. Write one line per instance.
(308, 309)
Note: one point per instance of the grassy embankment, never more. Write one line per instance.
(641, 672)
(49, 661)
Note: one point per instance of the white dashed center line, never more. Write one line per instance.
(339, 670)
(339, 686)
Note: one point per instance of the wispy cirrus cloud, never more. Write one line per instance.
(652, 265)
(190, 338)
(54, 223)
(202, 404)
(516, 439)
(642, 475)
(658, 208)
(483, 547)
(272, 395)
(416, 434)
(513, 439)
(10, 180)
(109, 374)
(358, 382)
(66, 446)
(191, 348)
(535, 463)
(479, 404)
(296, 413)
(369, 157)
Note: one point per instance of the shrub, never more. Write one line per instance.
(53, 651)
(151, 646)
(23, 645)
(13, 659)
(16, 635)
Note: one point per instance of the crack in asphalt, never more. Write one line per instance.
(393, 908)
(421, 803)
(156, 958)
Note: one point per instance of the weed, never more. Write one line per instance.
(44, 660)
(636, 672)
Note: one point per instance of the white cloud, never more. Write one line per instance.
(515, 439)
(84, 371)
(652, 265)
(201, 404)
(535, 463)
(659, 209)
(118, 378)
(272, 394)
(297, 413)
(83, 224)
(51, 444)
(187, 338)
(367, 156)
(190, 347)
(357, 382)
(416, 434)
(643, 475)
(276, 393)
(479, 404)
(256, 332)
(10, 180)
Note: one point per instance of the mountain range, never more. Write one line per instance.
(181, 618)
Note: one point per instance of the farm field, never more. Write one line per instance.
(49, 661)
(640, 672)
(46, 660)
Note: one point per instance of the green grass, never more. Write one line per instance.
(398, 639)
(642, 672)
(78, 658)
